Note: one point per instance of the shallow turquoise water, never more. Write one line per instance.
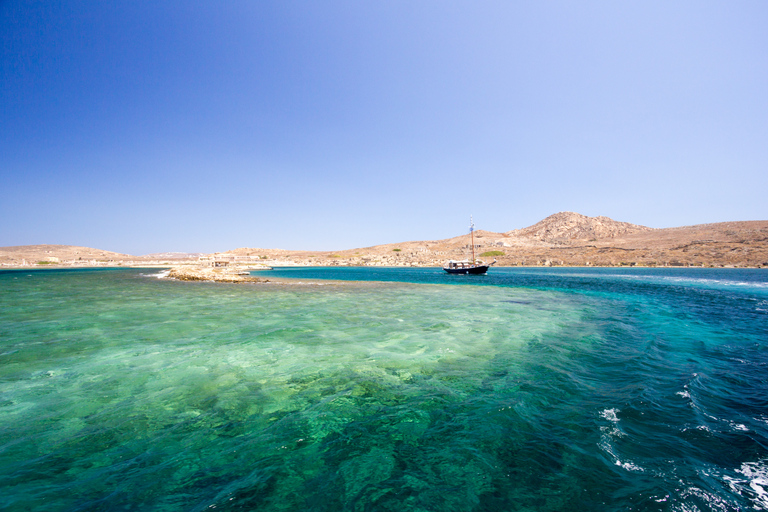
(526, 389)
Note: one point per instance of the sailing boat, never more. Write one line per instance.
(465, 266)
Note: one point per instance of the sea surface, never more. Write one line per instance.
(369, 389)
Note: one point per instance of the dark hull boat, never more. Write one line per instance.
(468, 267)
(460, 267)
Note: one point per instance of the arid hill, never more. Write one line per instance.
(566, 226)
(564, 238)
(58, 254)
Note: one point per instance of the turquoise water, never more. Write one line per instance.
(526, 389)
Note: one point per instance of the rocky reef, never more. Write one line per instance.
(219, 275)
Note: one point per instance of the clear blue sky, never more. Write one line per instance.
(148, 126)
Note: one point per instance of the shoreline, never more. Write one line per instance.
(184, 266)
(565, 239)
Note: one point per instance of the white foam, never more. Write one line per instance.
(629, 466)
(687, 280)
(160, 275)
(755, 486)
(758, 475)
(610, 415)
(607, 447)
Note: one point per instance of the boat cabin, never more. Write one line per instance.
(459, 264)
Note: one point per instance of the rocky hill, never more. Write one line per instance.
(565, 227)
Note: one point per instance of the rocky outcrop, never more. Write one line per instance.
(565, 227)
(219, 275)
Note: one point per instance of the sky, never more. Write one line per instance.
(197, 126)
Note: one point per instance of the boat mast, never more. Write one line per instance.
(472, 235)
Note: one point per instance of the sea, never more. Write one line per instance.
(385, 389)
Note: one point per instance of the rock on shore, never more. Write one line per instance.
(219, 275)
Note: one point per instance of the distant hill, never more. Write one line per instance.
(173, 255)
(72, 255)
(567, 226)
(565, 238)
(57, 254)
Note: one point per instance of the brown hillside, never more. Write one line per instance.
(65, 254)
(565, 227)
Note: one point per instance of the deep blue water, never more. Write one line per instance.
(409, 389)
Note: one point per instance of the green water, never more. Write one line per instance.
(121, 391)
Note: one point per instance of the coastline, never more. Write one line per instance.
(189, 270)
(565, 239)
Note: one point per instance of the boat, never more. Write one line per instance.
(465, 266)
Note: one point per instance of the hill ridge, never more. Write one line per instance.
(566, 226)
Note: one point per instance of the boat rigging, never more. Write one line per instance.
(468, 267)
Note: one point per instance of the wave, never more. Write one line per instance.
(761, 282)
(160, 275)
(708, 282)
(716, 282)
(755, 484)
